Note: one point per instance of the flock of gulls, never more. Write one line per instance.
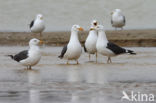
(95, 43)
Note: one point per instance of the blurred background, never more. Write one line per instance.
(60, 15)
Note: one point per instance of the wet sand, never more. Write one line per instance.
(54, 81)
(131, 38)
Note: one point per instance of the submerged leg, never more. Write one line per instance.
(109, 60)
(67, 62)
(29, 68)
(96, 56)
(77, 62)
(89, 57)
(40, 34)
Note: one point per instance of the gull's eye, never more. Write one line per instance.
(35, 40)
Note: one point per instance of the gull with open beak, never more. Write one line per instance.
(37, 25)
(29, 57)
(90, 43)
(72, 51)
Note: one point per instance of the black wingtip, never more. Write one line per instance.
(85, 49)
(60, 57)
(131, 52)
(11, 56)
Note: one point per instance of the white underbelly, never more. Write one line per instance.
(73, 53)
(91, 47)
(37, 28)
(31, 61)
(104, 51)
(118, 23)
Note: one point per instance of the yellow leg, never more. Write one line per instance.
(109, 60)
(41, 36)
(67, 62)
(77, 62)
(96, 57)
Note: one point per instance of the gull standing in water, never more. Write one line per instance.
(118, 19)
(72, 50)
(90, 43)
(37, 25)
(29, 57)
(107, 48)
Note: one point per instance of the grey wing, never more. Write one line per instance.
(20, 56)
(115, 48)
(63, 52)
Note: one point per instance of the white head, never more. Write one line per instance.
(39, 16)
(76, 28)
(118, 11)
(94, 23)
(35, 42)
(100, 28)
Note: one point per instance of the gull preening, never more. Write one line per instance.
(90, 43)
(72, 50)
(118, 19)
(29, 57)
(37, 25)
(107, 48)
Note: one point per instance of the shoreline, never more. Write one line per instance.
(142, 38)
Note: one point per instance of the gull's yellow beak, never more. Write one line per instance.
(112, 13)
(80, 29)
(41, 18)
(92, 29)
(41, 42)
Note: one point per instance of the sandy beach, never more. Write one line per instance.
(131, 38)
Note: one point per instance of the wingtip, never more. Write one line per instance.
(60, 57)
(131, 52)
(10, 56)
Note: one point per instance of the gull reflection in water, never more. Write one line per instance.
(34, 77)
(73, 74)
(34, 96)
(34, 80)
(75, 98)
(95, 75)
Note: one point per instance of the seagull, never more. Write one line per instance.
(72, 50)
(90, 43)
(118, 19)
(107, 48)
(29, 57)
(37, 25)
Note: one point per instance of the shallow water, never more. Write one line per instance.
(54, 81)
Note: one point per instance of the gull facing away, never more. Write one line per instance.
(29, 57)
(72, 50)
(107, 48)
(90, 43)
(118, 19)
(37, 25)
